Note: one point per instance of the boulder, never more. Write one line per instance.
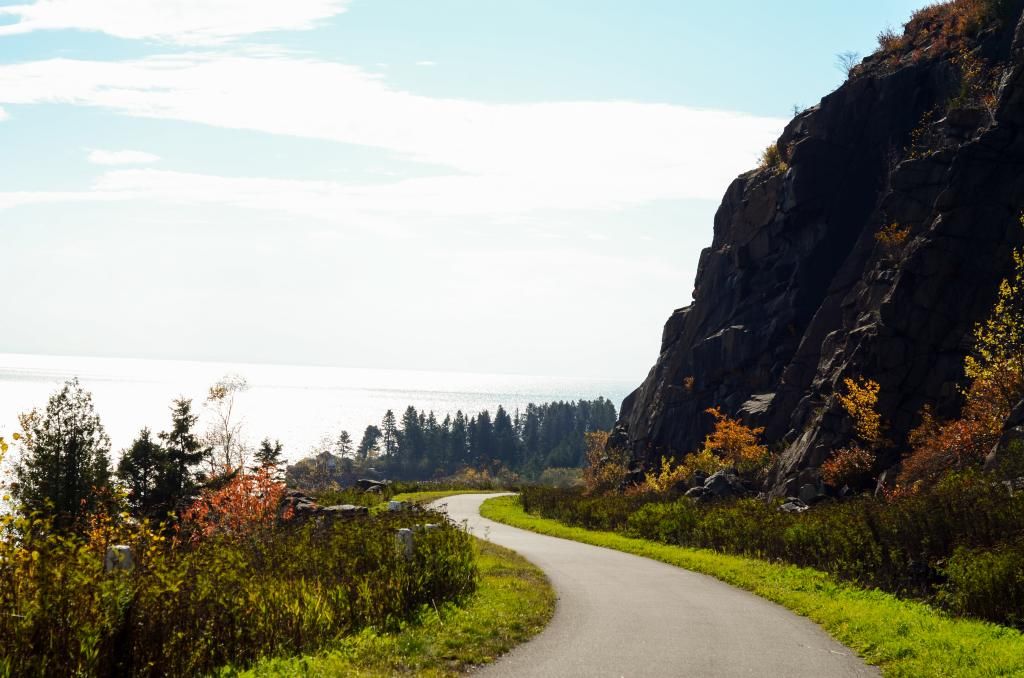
(303, 507)
(725, 485)
(368, 485)
(794, 506)
(343, 511)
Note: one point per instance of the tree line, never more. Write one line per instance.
(65, 471)
(419, 445)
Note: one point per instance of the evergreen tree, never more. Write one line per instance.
(139, 469)
(368, 447)
(459, 453)
(183, 453)
(65, 457)
(411, 442)
(344, 444)
(505, 443)
(389, 434)
(269, 454)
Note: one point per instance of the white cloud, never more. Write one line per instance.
(99, 156)
(191, 22)
(426, 63)
(3, 115)
(501, 157)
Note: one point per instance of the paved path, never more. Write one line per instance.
(622, 615)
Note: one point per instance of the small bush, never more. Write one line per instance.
(561, 477)
(848, 466)
(889, 40)
(607, 468)
(771, 159)
(893, 236)
(986, 582)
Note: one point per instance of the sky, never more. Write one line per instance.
(466, 185)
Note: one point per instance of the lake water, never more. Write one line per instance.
(299, 405)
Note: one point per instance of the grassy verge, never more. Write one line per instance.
(424, 497)
(904, 638)
(513, 602)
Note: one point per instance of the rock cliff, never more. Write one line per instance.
(869, 248)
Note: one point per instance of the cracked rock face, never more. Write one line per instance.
(796, 293)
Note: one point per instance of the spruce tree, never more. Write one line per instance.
(389, 434)
(183, 452)
(139, 469)
(65, 457)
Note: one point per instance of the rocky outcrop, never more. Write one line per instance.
(301, 507)
(796, 292)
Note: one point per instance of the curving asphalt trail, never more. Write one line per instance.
(622, 615)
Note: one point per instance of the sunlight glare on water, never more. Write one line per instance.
(300, 405)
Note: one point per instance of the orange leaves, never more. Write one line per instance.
(847, 466)
(730, 444)
(893, 236)
(247, 502)
(735, 443)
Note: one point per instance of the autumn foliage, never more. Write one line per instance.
(847, 466)
(247, 502)
(996, 370)
(607, 468)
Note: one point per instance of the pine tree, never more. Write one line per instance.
(368, 447)
(344, 444)
(139, 469)
(65, 457)
(183, 453)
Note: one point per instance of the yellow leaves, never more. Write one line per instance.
(861, 402)
(666, 478)
(607, 468)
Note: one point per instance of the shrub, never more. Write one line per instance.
(607, 468)
(986, 582)
(996, 371)
(227, 599)
(893, 236)
(560, 477)
(848, 466)
(905, 545)
(861, 403)
(889, 40)
(737, 444)
(668, 477)
(248, 502)
(771, 159)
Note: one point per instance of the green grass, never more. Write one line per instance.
(424, 497)
(902, 637)
(513, 602)
(433, 495)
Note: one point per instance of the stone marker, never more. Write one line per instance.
(119, 558)
(405, 541)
